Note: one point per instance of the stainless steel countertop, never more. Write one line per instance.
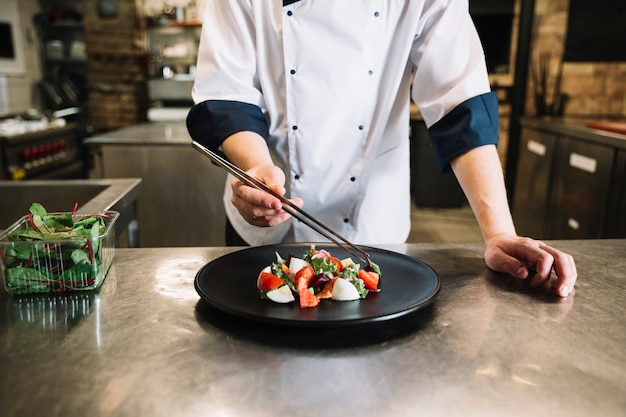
(145, 345)
(149, 133)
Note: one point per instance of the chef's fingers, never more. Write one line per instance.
(517, 256)
(244, 194)
(526, 258)
(255, 197)
(542, 261)
(565, 269)
(261, 217)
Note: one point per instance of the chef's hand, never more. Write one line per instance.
(525, 258)
(258, 207)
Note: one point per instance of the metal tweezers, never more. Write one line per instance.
(288, 206)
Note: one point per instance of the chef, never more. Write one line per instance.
(312, 98)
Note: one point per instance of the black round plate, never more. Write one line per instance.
(228, 283)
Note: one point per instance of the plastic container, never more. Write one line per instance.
(64, 264)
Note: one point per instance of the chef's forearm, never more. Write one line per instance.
(247, 150)
(480, 175)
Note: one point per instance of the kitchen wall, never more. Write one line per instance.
(22, 92)
(595, 89)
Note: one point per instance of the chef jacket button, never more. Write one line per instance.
(346, 220)
(289, 13)
(376, 14)
(293, 71)
(297, 176)
(352, 179)
(294, 127)
(361, 127)
(370, 72)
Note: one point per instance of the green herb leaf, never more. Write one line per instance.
(58, 222)
(28, 234)
(37, 209)
(21, 273)
(360, 286)
(375, 267)
(40, 224)
(323, 265)
(350, 272)
(79, 256)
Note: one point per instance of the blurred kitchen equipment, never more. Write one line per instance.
(107, 8)
(179, 13)
(5, 101)
(540, 75)
(55, 49)
(78, 50)
(33, 146)
(167, 72)
(173, 54)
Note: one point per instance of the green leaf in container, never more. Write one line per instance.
(79, 256)
(81, 231)
(21, 273)
(93, 235)
(39, 223)
(20, 252)
(28, 234)
(61, 222)
(87, 222)
(58, 236)
(83, 273)
(37, 209)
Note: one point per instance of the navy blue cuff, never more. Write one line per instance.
(471, 124)
(212, 121)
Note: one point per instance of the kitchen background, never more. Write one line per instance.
(123, 63)
(594, 88)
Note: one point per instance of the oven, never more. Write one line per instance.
(34, 147)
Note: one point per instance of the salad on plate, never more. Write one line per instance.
(317, 275)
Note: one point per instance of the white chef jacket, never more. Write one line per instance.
(333, 81)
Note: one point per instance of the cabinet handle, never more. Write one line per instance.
(583, 162)
(536, 147)
(573, 223)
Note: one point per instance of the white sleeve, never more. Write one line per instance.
(226, 66)
(449, 59)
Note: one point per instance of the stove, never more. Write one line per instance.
(37, 147)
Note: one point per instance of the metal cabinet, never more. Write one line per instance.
(534, 183)
(571, 184)
(181, 192)
(579, 200)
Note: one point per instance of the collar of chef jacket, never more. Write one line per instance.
(334, 80)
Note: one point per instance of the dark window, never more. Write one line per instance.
(6, 41)
(494, 23)
(596, 31)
